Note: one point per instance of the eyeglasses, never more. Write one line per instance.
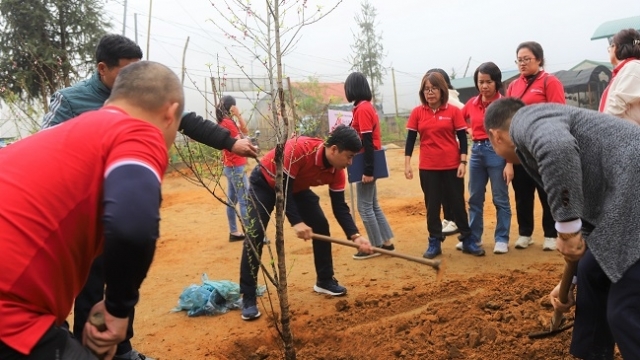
(430, 90)
(524, 61)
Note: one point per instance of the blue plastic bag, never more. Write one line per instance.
(212, 297)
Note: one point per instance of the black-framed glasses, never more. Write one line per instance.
(430, 90)
(524, 61)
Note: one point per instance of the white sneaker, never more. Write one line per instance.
(501, 248)
(450, 229)
(549, 244)
(445, 223)
(523, 242)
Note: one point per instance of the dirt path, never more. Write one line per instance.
(482, 308)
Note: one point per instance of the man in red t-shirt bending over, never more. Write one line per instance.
(87, 187)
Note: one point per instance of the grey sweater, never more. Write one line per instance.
(589, 165)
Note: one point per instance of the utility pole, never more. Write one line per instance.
(149, 27)
(184, 56)
(395, 93)
(124, 18)
(206, 98)
(467, 68)
(135, 25)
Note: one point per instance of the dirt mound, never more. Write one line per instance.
(483, 317)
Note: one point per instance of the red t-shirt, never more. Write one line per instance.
(365, 120)
(229, 158)
(303, 161)
(439, 149)
(546, 88)
(473, 113)
(51, 229)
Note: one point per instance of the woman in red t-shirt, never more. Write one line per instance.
(532, 87)
(443, 161)
(234, 165)
(366, 123)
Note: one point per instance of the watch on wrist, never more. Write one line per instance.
(355, 236)
(567, 236)
(463, 162)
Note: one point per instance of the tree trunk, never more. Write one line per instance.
(281, 138)
(64, 59)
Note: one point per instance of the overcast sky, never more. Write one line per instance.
(417, 35)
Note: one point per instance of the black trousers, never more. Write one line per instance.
(91, 294)
(56, 344)
(606, 313)
(438, 185)
(524, 187)
(262, 199)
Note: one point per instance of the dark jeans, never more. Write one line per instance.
(524, 187)
(91, 294)
(438, 185)
(56, 344)
(262, 199)
(606, 313)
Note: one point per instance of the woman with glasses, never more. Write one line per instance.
(621, 98)
(532, 87)
(443, 161)
(485, 165)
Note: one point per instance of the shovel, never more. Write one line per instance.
(557, 321)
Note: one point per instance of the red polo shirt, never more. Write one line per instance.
(51, 230)
(229, 158)
(303, 161)
(473, 113)
(365, 120)
(439, 149)
(546, 88)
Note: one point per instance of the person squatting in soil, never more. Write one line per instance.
(307, 162)
(533, 86)
(57, 217)
(621, 98)
(485, 165)
(234, 165)
(449, 226)
(588, 164)
(442, 162)
(113, 53)
(366, 123)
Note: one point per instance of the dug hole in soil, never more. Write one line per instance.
(478, 308)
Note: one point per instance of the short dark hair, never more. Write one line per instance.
(113, 47)
(356, 88)
(149, 85)
(500, 112)
(490, 69)
(444, 75)
(219, 115)
(627, 43)
(345, 138)
(226, 102)
(436, 79)
(535, 48)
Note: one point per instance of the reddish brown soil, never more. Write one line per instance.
(479, 308)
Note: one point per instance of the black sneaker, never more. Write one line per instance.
(362, 256)
(388, 247)
(250, 309)
(330, 287)
(132, 355)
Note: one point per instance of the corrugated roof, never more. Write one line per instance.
(330, 92)
(467, 82)
(571, 79)
(612, 27)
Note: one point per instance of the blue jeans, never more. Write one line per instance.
(237, 186)
(376, 224)
(486, 165)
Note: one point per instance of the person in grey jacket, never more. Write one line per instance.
(588, 164)
(113, 53)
